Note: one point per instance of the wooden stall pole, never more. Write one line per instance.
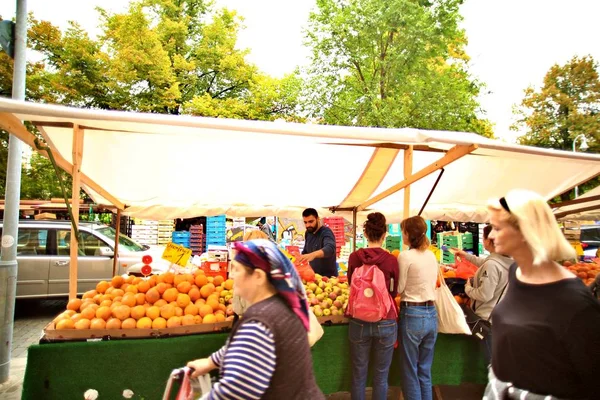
(408, 167)
(116, 250)
(77, 156)
(354, 229)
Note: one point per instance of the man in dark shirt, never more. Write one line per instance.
(319, 245)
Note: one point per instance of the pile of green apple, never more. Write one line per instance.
(327, 296)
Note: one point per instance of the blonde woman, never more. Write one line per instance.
(418, 316)
(547, 328)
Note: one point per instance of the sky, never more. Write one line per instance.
(512, 43)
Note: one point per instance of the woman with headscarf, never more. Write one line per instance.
(547, 327)
(267, 355)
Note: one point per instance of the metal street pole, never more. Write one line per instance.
(10, 233)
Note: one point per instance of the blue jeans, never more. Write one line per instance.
(418, 332)
(380, 337)
(486, 343)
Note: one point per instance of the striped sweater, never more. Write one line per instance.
(250, 360)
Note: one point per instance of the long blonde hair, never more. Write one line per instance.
(529, 212)
(255, 234)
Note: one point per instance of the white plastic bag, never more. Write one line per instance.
(315, 330)
(451, 318)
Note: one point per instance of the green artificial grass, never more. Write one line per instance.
(66, 370)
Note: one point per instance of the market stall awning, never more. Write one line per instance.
(585, 207)
(165, 166)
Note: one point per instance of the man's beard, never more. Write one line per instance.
(311, 229)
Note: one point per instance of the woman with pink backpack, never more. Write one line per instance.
(373, 277)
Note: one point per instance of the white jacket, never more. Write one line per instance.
(489, 282)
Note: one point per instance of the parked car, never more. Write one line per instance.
(590, 241)
(43, 256)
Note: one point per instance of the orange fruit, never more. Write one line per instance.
(65, 324)
(86, 305)
(144, 323)
(106, 303)
(222, 307)
(70, 313)
(140, 299)
(113, 323)
(117, 281)
(173, 322)
(209, 319)
(138, 312)
(152, 281)
(97, 298)
(228, 284)
(197, 319)
(214, 304)
(74, 304)
(167, 311)
(184, 287)
(207, 290)
(76, 317)
(115, 304)
(204, 310)
(124, 286)
(122, 312)
(153, 312)
(178, 311)
(200, 302)
(152, 296)
(129, 323)
(88, 313)
(194, 293)
(89, 294)
(161, 287)
(102, 286)
(183, 299)
(136, 280)
(218, 280)
(160, 303)
(129, 300)
(130, 279)
(118, 292)
(170, 295)
(219, 289)
(103, 312)
(201, 280)
(191, 309)
(219, 312)
(98, 323)
(83, 323)
(159, 323)
(131, 289)
(168, 277)
(220, 317)
(210, 279)
(143, 286)
(187, 320)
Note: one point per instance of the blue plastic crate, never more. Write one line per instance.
(216, 218)
(180, 235)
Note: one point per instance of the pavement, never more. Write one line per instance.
(31, 316)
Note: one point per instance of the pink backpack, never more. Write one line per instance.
(370, 299)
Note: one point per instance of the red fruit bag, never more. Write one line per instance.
(464, 268)
(304, 269)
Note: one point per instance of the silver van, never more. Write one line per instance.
(43, 256)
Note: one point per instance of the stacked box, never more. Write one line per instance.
(462, 241)
(165, 229)
(144, 231)
(197, 239)
(181, 238)
(393, 242)
(216, 230)
(336, 224)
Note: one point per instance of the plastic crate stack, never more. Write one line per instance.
(393, 242)
(144, 231)
(197, 239)
(462, 241)
(181, 238)
(216, 230)
(165, 229)
(336, 224)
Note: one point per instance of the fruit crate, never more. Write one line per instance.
(447, 257)
(392, 242)
(452, 239)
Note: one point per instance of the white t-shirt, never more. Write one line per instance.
(418, 275)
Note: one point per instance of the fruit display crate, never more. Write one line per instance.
(52, 334)
(463, 241)
(447, 257)
(393, 242)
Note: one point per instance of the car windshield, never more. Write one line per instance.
(124, 241)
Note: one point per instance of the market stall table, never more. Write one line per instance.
(66, 370)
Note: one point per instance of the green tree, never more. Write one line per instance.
(567, 105)
(395, 63)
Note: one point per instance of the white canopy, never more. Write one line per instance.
(165, 166)
(586, 208)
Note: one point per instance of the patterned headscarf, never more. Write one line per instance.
(264, 254)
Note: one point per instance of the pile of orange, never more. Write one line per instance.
(159, 301)
(587, 272)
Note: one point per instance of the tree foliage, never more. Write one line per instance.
(567, 105)
(396, 63)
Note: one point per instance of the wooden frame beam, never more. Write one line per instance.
(408, 167)
(77, 152)
(12, 124)
(452, 155)
(575, 201)
(575, 211)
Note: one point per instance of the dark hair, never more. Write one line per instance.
(486, 231)
(262, 220)
(415, 229)
(375, 226)
(310, 212)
